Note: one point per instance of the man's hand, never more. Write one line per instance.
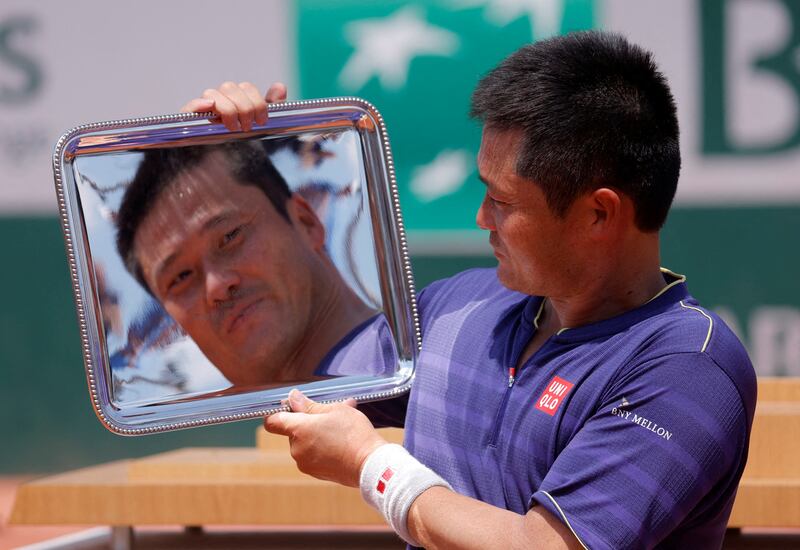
(332, 442)
(239, 106)
(328, 441)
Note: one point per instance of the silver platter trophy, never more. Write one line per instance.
(215, 271)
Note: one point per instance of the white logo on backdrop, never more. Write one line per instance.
(544, 15)
(444, 175)
(385, 47)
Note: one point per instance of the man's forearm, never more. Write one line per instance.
(434, 516)
(440, 518)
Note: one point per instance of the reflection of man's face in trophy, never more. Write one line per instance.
(242, 271)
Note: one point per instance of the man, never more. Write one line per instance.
(214, 233)
(577, 396)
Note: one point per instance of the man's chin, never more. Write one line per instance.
(506, 277)
(243, 369)
(258, 376)
(512, 281)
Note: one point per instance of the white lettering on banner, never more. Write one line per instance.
(747, 83)
(729, 317)
(775, 340)
(772, 338)
(729, 65)
(35, 80)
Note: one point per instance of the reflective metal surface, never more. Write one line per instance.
(214, 271)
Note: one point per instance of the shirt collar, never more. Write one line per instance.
(672, 293)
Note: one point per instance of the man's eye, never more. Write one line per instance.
(232, 235)
(178, 279)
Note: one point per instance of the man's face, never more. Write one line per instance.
(236, 275)
(535, 249)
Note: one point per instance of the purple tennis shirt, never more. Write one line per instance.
(367, 350)
(632, 430)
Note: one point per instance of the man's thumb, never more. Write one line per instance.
(298, 402)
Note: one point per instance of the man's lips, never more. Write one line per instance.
(495, 245)
(239, 313)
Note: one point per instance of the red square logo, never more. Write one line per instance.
(385, 477)
(553, 395)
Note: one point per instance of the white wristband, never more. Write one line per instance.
(391, 479)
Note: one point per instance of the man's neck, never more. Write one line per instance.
(339, 313)
(629, 281)
(603, 298)
(619, 279)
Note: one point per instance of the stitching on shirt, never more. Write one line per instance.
(710, 324)
(564, 517)
(678, 280)
(539, 314)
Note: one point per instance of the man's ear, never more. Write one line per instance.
(606, 209)
(306, 221)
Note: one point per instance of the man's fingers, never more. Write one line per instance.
(244, 107)
(281, 423)
(259, 103)
(225, 108)
(276, 93)
(198, 105)
(298, 402)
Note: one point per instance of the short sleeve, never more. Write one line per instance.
(667, 443)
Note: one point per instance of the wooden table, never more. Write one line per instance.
(769, 492)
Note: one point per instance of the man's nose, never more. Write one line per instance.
(484, 217)
(221, 285)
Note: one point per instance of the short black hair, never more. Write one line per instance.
(594, 111)
(248, 162)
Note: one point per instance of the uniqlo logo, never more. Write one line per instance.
(384, 479)
(554, 395)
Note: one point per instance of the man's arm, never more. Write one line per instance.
(333, 442)
(440, 518)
